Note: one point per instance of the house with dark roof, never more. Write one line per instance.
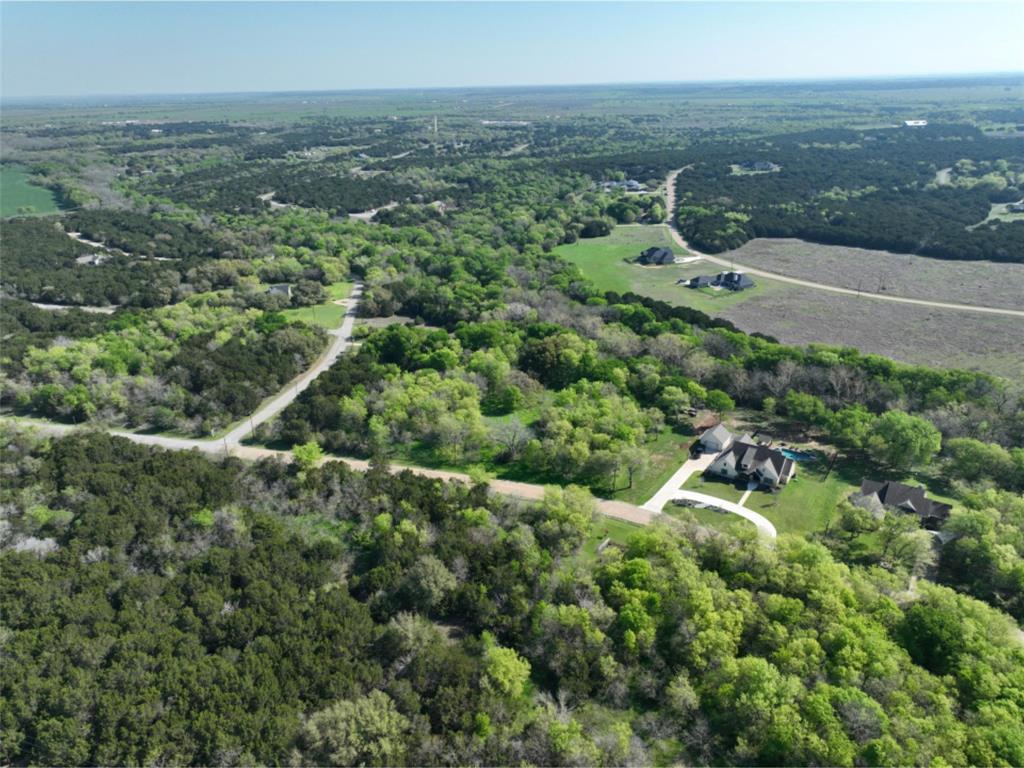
(701, 281)
(733, 281)
(876, 495)
(745, 461)
(656, 256)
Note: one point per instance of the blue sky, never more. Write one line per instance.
(84, 48)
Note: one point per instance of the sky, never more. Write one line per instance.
(84, 48)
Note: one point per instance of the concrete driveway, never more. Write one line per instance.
(667, 492)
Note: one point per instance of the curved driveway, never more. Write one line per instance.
(764, 525)
(670, 195)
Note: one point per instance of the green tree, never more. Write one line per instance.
(903, 440)
(307, 455)
(368, 730)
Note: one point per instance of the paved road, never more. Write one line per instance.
(671, 200)
(667, 492)
(341, 338)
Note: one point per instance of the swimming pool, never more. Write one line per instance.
(797, 455)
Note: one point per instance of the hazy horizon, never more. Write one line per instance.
(179, 49)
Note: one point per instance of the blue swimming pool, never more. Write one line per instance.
(797, 455)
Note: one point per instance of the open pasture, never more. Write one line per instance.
(608, 263)
(18, 197)
(982, 283)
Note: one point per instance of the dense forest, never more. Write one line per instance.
(873, 189)
(163, 608)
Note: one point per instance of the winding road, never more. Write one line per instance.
(670, 197)
(231, 442)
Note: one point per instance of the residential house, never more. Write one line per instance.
(745, 461)
(656, 256)
(280, 289)
(915, 123)
(715, 440)
(733, 281)
(875, 494)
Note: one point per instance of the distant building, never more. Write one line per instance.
(733, 281)
(915, 123)
(875, 495)
(280, 289)
(656, 256)
(760, 166)
(1015, 207)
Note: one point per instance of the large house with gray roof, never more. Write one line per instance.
(876, 495)
(740, 458)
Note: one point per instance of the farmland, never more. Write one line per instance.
(18, 197)
(911, 334)
(795, 315)
(983, 283)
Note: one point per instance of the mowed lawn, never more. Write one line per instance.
(668, 452)
(326, 315)
(607, 262)
(802, 506)
(18, 197)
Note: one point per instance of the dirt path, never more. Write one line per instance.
(607, 507)
(108, 310)
(341, 338)
(671, 199)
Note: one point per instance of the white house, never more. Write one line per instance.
(915, 123)
(766, 466)
(716, 439)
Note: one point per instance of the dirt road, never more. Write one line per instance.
(341, 338)
(670, 195)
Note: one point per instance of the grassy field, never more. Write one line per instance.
(984, 283)
(668, 453)
(941, 338)
(618, 531)
(607, 261)
(18, 197)
(802, 506)
(998, 211)
(326, 315)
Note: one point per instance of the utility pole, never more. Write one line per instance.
(252, 428)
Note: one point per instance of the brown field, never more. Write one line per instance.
(982, 283)
(943, 338)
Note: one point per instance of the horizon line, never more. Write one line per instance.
(624, 83)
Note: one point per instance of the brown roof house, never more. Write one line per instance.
(876, 496)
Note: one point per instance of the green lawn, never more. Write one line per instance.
(607, 261)
(712, 486)
(603, 528)
(18, 197)
(725, 522)
(801, 506)
(668, 453)
(806, 502)
(326, 315)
